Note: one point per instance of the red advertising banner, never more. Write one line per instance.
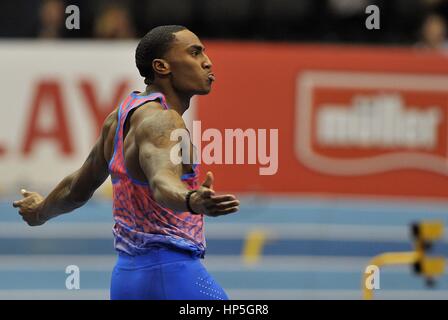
(350, 120)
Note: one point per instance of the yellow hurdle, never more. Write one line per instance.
(430, 267)
(253, 246)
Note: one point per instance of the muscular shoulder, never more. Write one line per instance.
(109, 125)
(107, 134)
(155, 124)
(111, 119)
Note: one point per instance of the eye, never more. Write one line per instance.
(194, 53)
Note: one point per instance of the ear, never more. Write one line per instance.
(161, 67)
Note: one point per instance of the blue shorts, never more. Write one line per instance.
(164, 273)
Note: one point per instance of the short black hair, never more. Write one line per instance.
(154, 45)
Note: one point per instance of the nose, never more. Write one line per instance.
(207, 63)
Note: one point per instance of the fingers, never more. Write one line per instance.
(25, 193)
(17, 203)
(31, 222)
(27, 207)
(217, 213)
(221, 202)
(221, 198)
(208, 180)
(212, 205)
(213, 208)
(227, 205)
(24, 216)
(224, 205)
(214, 200)
(30, 219)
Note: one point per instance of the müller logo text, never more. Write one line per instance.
(365, 123)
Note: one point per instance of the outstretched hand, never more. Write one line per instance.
(206, 202)
(30, 207)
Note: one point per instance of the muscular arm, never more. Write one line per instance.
(73, 191)
(154, 144)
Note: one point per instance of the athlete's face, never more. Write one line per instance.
(191, 69)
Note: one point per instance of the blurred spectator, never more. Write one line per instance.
(433, 33)
(52, 19)
(114, 23)
(432, 3)
(436, 6)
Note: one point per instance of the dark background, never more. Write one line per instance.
(329, 21)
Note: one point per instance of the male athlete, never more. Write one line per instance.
(158, 206)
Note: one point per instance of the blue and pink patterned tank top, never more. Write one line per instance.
(140, 222)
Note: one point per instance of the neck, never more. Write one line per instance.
(177, 101)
